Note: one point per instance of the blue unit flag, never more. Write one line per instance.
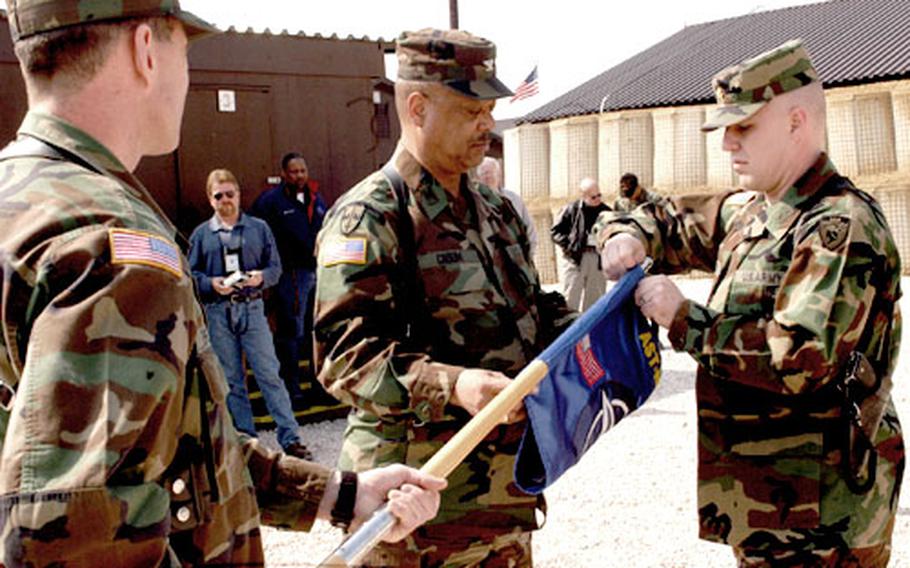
(600, 369)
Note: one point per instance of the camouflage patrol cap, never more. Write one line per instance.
(455, 58)
(32, 17)
(743, 89)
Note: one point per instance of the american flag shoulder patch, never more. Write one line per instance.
(590, 367)
(139, 247)
(344, 250)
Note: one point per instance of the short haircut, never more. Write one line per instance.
(286, 160)
(811, 98)
(217, 176)
(404, 88)
(630, 180)
(78, 52)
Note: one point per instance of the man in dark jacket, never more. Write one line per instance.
(294, 211)
(582, 279)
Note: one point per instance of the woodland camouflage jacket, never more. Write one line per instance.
(471, 297)
(117, 448)
(799, 285)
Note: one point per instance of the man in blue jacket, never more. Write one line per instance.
(294, 211)
(233, 257)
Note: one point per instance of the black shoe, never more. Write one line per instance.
(299, 403)
(298, 450)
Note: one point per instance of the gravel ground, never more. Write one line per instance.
(631, 500)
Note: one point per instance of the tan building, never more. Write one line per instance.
(643, 116)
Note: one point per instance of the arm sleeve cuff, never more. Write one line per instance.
(433, 390)
(288, 489)
(690, 327)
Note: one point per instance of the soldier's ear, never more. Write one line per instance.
(417, 107)
(142, 42)
(797, 119)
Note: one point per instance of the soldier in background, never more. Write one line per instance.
(117, 446)
(449, 259)
(800, 448)
(632, 194)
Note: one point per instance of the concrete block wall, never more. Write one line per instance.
(861, 131)
(679, 148)
(527, 161)
(625, 144)
(573, 154)
(900, 104)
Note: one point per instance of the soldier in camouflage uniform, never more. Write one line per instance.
(800, 448)
(116, 445)
(632, 194)
(427, 303)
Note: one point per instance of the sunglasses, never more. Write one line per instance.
(220, 194)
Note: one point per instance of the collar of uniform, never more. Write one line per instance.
(63, 134)
(427, 190)
(490, 195)
(216, 225)
(488, 204)
(782, 213)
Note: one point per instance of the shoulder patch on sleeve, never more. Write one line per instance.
(139, 247)
(351, 216)
(343, 250)
(833, 231)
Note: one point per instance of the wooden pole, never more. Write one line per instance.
(460, 445)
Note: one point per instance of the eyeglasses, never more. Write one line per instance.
(220, 194)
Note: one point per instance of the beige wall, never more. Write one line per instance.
(527, 161)
(625, 142)
(861, 132)
(900, 102)
(573, 154)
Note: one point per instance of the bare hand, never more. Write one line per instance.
(619, 254)
(413, 497)
(475, 388)
(659, 299)
(254, 279)
(218, 285)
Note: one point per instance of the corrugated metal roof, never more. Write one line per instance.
(285, 32)
(850, 42)
(301, 33)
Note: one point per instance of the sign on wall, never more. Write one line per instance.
(227, 100)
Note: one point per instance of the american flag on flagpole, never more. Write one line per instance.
(528, 87)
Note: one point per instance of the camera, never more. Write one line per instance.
(236, 278)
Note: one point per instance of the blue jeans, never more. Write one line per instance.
(241, 328)
(292, 296)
